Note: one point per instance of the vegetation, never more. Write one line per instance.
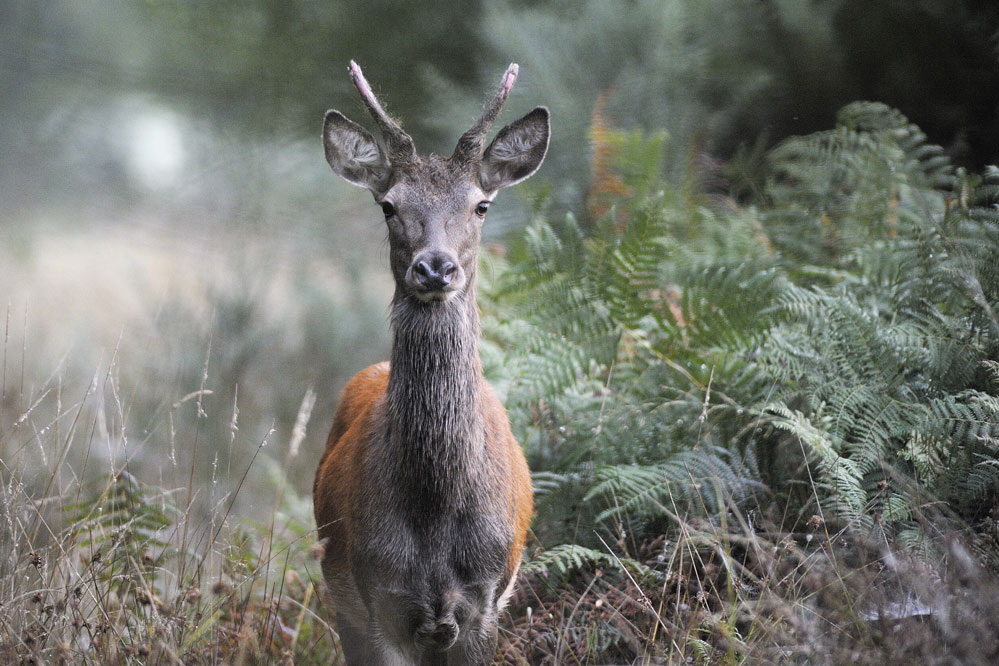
(761, 432)
(751, 347)
(704, 383)
(717, 74)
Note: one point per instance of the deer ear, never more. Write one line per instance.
(516, 152)
(354, 154)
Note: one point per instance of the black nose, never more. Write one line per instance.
(435, 273)
(440, 637)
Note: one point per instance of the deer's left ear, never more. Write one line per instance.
(516, 152)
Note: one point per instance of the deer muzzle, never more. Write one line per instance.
(434, 276)
(438, 638)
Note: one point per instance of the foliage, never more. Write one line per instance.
(626, 386)
(716, 74)
(880, 360)
(751, 419)
(749, 427)
(722, 76)
(830, 347)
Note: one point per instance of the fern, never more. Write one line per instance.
(122, 524)
(695, 481)
(122, 527)
(681, 357)
(628, 357)
(834, 191)
(841, 477)
(566, 558)
(832, 346)
(879, 351)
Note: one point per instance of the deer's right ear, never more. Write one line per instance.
(354, 154)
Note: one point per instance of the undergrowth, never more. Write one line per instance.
(99, 567)
(755, 425)
(761, 432)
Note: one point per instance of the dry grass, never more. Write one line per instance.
(150, 387)
(725, 592)
(154, 508)
(113, 571)
(101, 567)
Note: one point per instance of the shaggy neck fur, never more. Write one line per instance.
(436, 431)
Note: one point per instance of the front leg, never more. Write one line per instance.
(384, 651)
(357, 649)
(368, 646)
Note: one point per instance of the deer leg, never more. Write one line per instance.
(363, 648)
(356, 647)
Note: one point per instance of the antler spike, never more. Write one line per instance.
(400, 145)
(471, 143)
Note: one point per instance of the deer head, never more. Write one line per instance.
(435, 206)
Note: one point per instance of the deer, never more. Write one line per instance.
(423, 496)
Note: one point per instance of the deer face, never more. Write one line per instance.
(434, 207)
(434, 216)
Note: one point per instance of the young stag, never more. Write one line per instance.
(423, 496)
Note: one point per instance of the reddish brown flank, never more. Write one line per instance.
(337, 470)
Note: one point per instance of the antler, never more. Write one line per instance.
(400, 145)
(471, 143)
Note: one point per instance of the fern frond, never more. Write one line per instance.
(565, 558)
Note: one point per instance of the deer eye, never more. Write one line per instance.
(388, 209)
(481, 209)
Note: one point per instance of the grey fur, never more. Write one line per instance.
(426, 580)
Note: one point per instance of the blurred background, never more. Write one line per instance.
(180, 267)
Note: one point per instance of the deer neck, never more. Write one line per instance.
(435, 425)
